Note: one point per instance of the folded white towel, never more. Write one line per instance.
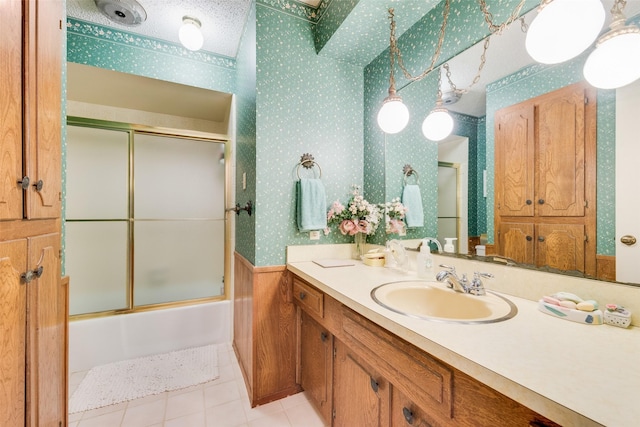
(412, 199)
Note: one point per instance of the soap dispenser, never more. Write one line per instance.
(424, 260)
(448, 244)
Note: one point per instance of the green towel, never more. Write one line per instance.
(412, 199)
(311, 206)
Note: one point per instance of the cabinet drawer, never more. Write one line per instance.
(307, 297)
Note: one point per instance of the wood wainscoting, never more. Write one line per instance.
(606, 267)
(264, 330)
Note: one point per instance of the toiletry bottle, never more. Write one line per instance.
(424, 260)
(448, 244)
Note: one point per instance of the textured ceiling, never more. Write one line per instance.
(222, 20)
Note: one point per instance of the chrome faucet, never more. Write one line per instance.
(476, 287)
(451, 278)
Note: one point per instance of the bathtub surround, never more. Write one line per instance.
(145, 376)
(103, 340)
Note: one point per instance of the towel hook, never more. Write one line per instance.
(408, 171)
(307, 161)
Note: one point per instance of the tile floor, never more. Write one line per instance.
(219, 403)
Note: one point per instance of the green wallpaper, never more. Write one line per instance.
(245, 239)
(305, 104)
(112, 49)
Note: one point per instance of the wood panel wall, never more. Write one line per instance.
(264, 330)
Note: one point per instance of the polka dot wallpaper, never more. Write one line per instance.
(305, 103)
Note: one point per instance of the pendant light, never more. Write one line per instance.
(190, 34)
(615, 62)
(438, 124)
(393, 115)
(563, 29)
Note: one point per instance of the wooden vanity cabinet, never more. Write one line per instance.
(377, 379)
(545, 176)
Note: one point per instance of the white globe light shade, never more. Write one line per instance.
(437, 125)
(615, 62)
(190, 35)
(393, 115)
(563, 29)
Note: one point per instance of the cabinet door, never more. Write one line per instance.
(43, 94)
(316, 364)
(11, 110)
(13, 295)
(360, 395)
(47, 326)
(516, 241)
(560, 165)
(561, 246)
(514, 153)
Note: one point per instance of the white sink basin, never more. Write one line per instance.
(434, 301)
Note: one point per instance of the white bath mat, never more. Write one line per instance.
(131, 379)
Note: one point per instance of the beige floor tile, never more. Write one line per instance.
(217, 394)
(294, 400)
(229, 414)
(191, 420)
(145, 414)
(148, 399)
(277, 419)
(185, 404)
(104, 410)
(262, 410)
(110, 419)
(304, 415)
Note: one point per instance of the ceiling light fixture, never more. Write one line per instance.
(190, 34)
(563, 29)
(615, 62)
(438, 124)
(393, 116)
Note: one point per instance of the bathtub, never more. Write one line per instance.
(94, 342)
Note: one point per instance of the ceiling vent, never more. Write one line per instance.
(123, 12)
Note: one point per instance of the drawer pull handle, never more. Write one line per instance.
(32, 274)
(529, 238)
(529, 202)
(541, 239)
(39, 185)
(408, 415)
(324, 336)
(302, 295)
(541, 201)
(374, 384)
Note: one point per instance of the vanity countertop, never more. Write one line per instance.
(572, 373)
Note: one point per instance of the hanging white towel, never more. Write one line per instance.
(412, 199)
(311, 206)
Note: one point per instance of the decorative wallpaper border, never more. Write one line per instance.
(89, 29)
(299, 10)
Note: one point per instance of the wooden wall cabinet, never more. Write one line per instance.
(33, 316)
(545, 171)
(378, 379)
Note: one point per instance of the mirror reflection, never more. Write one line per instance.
(464, 200)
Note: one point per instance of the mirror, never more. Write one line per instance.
(507, 66)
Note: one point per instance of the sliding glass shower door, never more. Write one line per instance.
(145, 220)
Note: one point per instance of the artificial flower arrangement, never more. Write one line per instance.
(394, 213)
(359, 216)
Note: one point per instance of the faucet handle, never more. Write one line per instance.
(476, 287)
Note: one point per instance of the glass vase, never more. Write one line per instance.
(359, 243)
